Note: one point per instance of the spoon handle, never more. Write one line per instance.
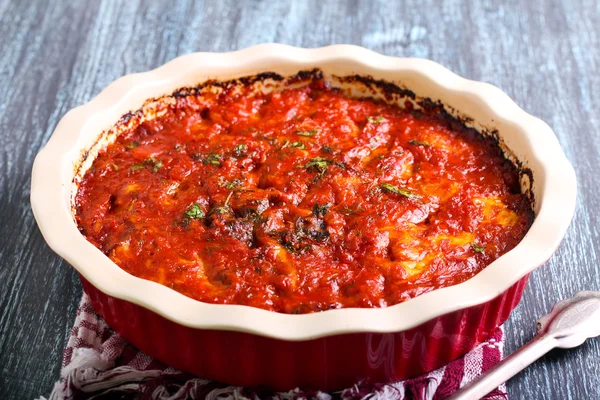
(506, 368)
(569, 324)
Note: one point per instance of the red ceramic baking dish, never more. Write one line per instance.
(326, 350)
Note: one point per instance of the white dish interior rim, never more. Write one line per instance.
(53, 173)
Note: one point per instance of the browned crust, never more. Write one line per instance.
(391, 91)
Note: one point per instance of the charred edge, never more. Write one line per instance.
(388, 89)
(244, 81)
(306, 76)
(437, 107)
(463, 119)
(191, 90)
(453, 116)
(527, 172)
(250, 80)
(127, 117)
(432, 107)
(86, 154)
(124, 120)
(183, 92)
(495, 136)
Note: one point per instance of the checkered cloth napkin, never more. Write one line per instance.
(99, 364)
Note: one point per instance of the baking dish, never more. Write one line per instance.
(332, 349)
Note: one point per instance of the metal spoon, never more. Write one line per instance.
(570, 323)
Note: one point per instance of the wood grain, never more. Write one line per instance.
(59, 54)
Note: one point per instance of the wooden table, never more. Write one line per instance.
(57, 55)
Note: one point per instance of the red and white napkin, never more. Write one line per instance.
(98, 363)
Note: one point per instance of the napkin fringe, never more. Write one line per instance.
(98, 362)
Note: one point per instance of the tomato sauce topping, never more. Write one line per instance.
(301, 200)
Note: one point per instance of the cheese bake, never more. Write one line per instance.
(301, 199)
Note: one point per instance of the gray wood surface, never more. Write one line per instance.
(58, 54)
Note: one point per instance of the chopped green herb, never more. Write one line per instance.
(310, 133)
(388, 188)
(219, 210)
(477, 247)
(375, 120)
(298, 145)
(178, 148)
(137, 167)
(233, 184)
(132, 145)
(214, 159)
(318, 163)
(326, 149)
(156, 164)
(194, 211)
(240, 150)
(417, 143)
(115, 167)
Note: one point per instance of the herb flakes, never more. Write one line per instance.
(151, 161)
(240, 150)
(132, 145)
(137, 167)
(233, 184)
(309, 133)
(194, 212)
(375, 120)
(156, 163)
(477, 247)
(389, 188)
(318, 164)
(213, 159)
(418, 143)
